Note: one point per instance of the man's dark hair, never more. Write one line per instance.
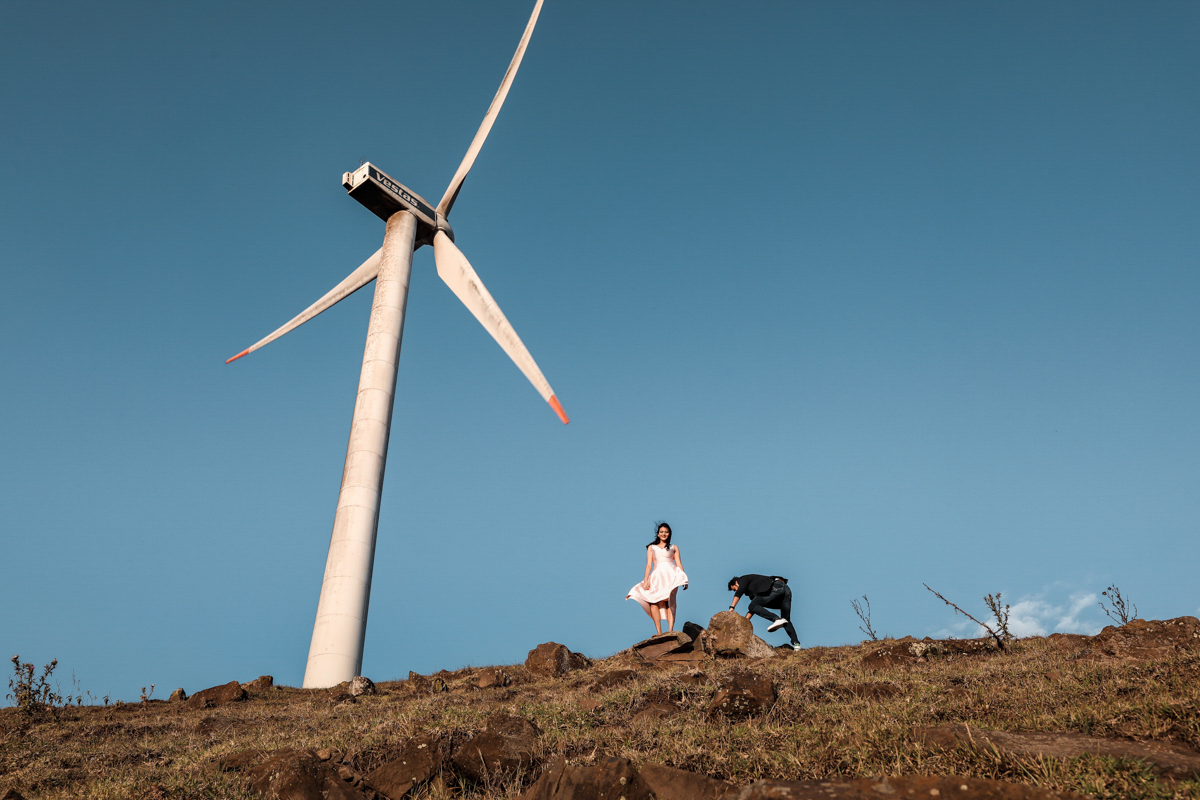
(732, 581)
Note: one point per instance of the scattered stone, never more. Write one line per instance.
(730, 635)
(908, 651)
(505, 746)
(1142, 640)
(669, 783)
(613, 779)
(654, 711)
(361, 685)
(588, 703)
(661, 644)
(1173, 760)
(553, 660)
(923, 786)
(178, 696)
(613, 679)
(491, 678)
(260, 684)
(299, 775)
(419, 761)
(743, 695)
(231, 692)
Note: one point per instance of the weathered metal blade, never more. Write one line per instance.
(456, 271)
(353, 282)
(493, 111)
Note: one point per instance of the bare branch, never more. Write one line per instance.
(984, 625)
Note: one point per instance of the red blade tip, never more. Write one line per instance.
(558, 409)
(239, 355)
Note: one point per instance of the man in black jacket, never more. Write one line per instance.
(766, 592)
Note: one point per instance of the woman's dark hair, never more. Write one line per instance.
(656, 527)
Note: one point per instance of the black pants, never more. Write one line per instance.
(781, 598)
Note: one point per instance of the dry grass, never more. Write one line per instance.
(818, 728)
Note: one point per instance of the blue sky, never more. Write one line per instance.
(866, 294)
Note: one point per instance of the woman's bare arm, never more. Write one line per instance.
(678, 560)
(649, 561)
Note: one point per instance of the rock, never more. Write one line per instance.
(655, 711)
(505, 746)
(909, 651)
(1173, 760)
(491, 678)
(613, 679)
(231, 692)
(1142, 640)
(743, 695)
(612, 780)
(669, 783)
(361, 685)
(299, 775)
(730, 635)
(693, 657)
(260, 684)
(693, 631)
(553, 660)
(419, 761)
(661, 644)
(926, 787)
(178, 696)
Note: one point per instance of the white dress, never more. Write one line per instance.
(665, 577)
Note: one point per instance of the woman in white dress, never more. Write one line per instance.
(664, 576)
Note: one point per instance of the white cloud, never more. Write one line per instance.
(1036, 615)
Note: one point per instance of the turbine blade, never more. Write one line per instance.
(493, 111)
(456, 271)
(352, 283)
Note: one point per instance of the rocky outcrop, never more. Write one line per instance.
(260, 684)
(730, 635)
(743, 695)
(491, 678)
(553, 660)
(1174, 760)
(177, 696)
(361, 685)
(419, 761)
(613, 779)
(1147, 640)
(908, 786)
(506, 746)
(300, 775)
(669, 783)
(231, 692)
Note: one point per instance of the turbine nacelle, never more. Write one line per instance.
(383, 196)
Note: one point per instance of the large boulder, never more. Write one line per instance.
(419, 761)
(1147, 640)
(669, 783)
(743, 695)
(730, 635)
(506, 746)
(1167, 758)
(361, 685)
(231, 692)
(905, 786)
(663, 644)
(300, 775)
(615, 779)
(553, 660)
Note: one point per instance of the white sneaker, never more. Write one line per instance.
(776, 625)
(796, 646)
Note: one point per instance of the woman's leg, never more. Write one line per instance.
(657, 609)
(671, 611)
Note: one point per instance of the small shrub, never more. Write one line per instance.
(865, 616)
(32, 694)
(1120, 612)
(1000, 612)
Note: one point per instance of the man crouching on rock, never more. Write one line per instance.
(766, 593)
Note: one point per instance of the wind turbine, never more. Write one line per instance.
(335, 654)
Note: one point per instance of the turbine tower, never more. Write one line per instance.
(335, 654)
